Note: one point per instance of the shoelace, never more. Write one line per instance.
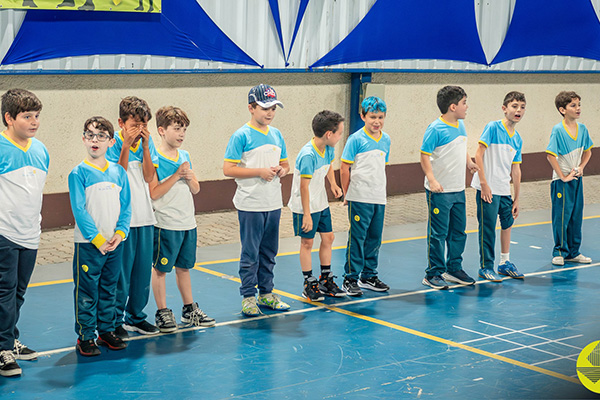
(166, 317)
(19, 346)
(197, 316)
(7, 357)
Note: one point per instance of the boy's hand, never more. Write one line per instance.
(113, 242)
(473, 167)
(307, 223)
(515, 209)
(435, 186)
(570, 177)
(131, 135)
(268, 173)
(183, 169)
(145, 134)
(486, 193)
(103, 249)
(337, 191)
(189, 174)
(279, 170)
(578, 171)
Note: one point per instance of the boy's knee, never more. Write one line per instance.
(307, 243)
(327, 238)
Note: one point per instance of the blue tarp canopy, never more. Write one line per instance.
(552, 27)
(403, 29)
(183, 29)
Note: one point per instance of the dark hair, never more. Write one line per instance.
(100, 123)
(169, 115)
(449, 95)
(564, 98)
(372, 104)
(513, 96)
(135, 107)
(326, 121)
(16, 101)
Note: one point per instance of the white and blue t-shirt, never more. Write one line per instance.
(568, 147)
(446, 145)
(368, 157)
(503, 150)
(142, 213)
(23, 172)
(175, 209)
(250, 147)
(100, 201)
(314, 165)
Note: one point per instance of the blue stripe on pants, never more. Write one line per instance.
(567, 217)
(364, 239)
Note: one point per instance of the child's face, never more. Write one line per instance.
(573, 109)
(133, 123)
(373, 122)
(514, 111)
(460, 109)
(25, 124)
(262, 116)
(96, 142)
(334, 137)
(173, 135)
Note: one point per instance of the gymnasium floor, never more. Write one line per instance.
(515, 339)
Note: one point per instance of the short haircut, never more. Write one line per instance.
(564, 98)
(449, 95)
(16, 101)
(135, 107)
(326, 121)
(100, 123)
(513, 96)
(373, 104)
(170, 115)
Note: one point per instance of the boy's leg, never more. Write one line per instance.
(506, 267)
(9, 259)
(574, 201)
(26, 264)
(87, 267)
(359, 215)
(109, 277)
(159, 288)
(184, 284)
(186, 260)
(373, 241)
(561, 214)
(268, 250)
(306, 245)
(128, 255)
(437, 231)
(487, 215)
(457, 238)
(141, 271)
(325, 248)
(251, 231)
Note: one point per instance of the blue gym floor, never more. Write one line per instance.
(515, 339)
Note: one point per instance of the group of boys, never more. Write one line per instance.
(118, 248)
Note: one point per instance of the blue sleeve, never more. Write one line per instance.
(587, 140)
(114, 153)
(518, 156)
(153, 152)
(125, 200)
(84, 220)
(430, 140)
(487, 136)
(553, 144)
(284, 155)
(235, 148)
(350, 149)
(387, 151)
(306, 165)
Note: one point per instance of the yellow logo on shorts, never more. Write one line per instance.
(85, 268)
(559, 195)
(356, 218)
(436, 211)
(588, 366)
(164, 261)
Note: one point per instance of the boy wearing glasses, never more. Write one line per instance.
(101, 204)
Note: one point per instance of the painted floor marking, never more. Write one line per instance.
(557, 341)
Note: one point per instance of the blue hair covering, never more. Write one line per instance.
(373, 104)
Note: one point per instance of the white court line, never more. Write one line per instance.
(558, 341)
(503, 334)
(316, 308)
(569, 357)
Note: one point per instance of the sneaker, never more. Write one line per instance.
(87, 348)
(459, 277)
(311, 290)
(273, 301)
(435, 282)
(8, 364)
(143, 327)
(249, 307)
(23, 352)
(165, 320)
(510, 269)
(110, 340)
(373, 283)
(489, 274)
(195, 316)
(350, 286)
(580, 259)
(121, 332)
(558, 260)
(328, 286)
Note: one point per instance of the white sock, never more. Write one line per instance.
(504, 257)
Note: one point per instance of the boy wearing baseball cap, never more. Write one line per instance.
(256, 157)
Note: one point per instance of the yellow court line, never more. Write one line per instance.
(50, 283)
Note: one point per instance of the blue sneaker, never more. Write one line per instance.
(489, 274)
(509, 269)
(435, 282)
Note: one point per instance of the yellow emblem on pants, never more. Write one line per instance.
(559, 195)
(85, 268)
(356, 218)
(436, 211)
(164, 261)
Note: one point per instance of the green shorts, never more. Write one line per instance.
(174, 249)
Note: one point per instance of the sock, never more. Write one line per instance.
(325, 270)
(504, 257)
(307, 274)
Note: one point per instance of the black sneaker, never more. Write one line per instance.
(193, 315)
(8, 364)
(311, 290)
(351, 288)
(165, 320)
(435, 282)
(110, 340)
(373, 283)
(328, 286)
(459, 276)
(23, 352)
(143, 327)
(87, 348)
(120, 332)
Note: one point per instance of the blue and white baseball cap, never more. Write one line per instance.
(264, 95)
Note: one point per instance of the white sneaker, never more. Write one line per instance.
(558, 260)
(580, 259)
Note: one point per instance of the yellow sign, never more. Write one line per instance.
(153, 6)
(588, 366)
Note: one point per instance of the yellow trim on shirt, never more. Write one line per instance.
(306, 176)
(98, 241)
(95, 166)
(24, 149)
(448, 123)
(283, 159)
(312, 141)
(507, 131)
(167, 157)
(121, 233)
(516, 162)
(569, 133)
(484, 143)
(347, 161)
(424, 152)
(233, 161)
(369, 135)
(554, 154)
(260, 130)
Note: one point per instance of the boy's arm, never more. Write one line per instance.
(147, 165)
(232, 170)
(159, 189)
(335, 189)
(471, 166)
(305, 198)
(283, 169)
(345, 179)
(516, 178)
(122, 228)
(84, 220)
(129, 137)
(585, 158)
(486, 191)
(554, 163)
(190, 179)
(434, 185)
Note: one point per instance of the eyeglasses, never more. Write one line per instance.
(101, 136)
